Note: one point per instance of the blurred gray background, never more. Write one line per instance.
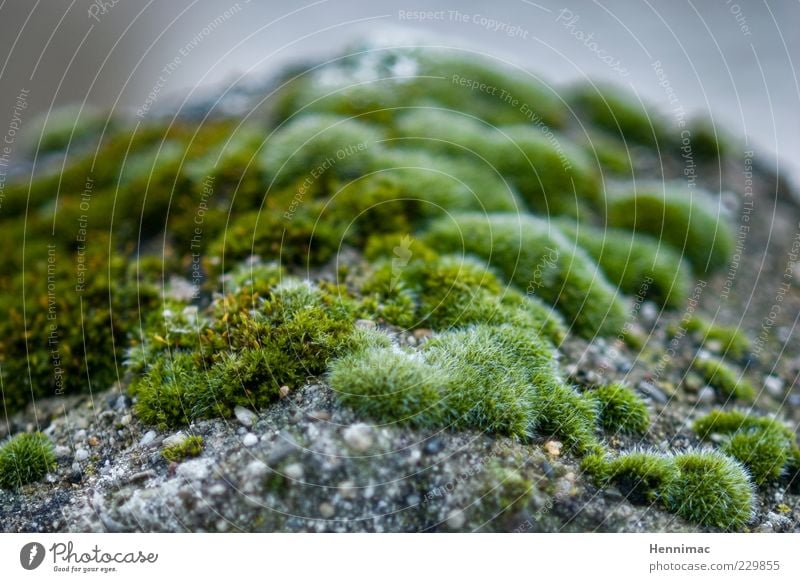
(733, 59)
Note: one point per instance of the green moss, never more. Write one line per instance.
(691, 224)
(189, 447)
(637, 263)
(539, 259)
(507, 487)
(711, 489)
(643, 477)
(709, 142)
(733, 340)
(621, 410)
(25, 458)
(550, 173)
(240, 353)
(320, 148)
(726, 380)
(762, 444)
(65, 127)
(620, 114)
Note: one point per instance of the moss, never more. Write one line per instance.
(507, 487)
(189, 447)
(762, 444)
(25, 458)
(691, 224)
(643, 477)
(65, 127)
(549, 172)
(240, 352)
(619, 114)
(534, 255)
(637, 263)
(621, 410)
(320, 148)
(712, 489)
(726, 380)
(709, 142)
(733, 340)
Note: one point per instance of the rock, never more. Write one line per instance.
(245, 416)
(358, 437)
(326, 510)
(148, 438)
(250, 440)
(294, 471)
(322, 415)
(81, 455)
(93, 441)
(365, 324)
(347, 489)
(706, 395)
(284, 391)
(774, 386)
(62, 452)
(256, 470)
(433, 445)
(456, 519)
(649, 389)
(194, 470)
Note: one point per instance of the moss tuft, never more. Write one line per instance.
(711, 489)
(539, 259)
(726, 380)
(643, 477)
(189, 447)
(25, 458)
(620, 409)
(733, 341)
(691, 224)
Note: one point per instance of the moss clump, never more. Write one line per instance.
(638, 263)
(538, 258)
(621, 410)
(702, 486)
(621, 115)
(320, 148)
(734, 342)
(493, 378)
(25, 458)
(451, 292)
(762, 444)
(240, 352)
(691, 224)
(727, 381)
(711, 489)
(189, 447)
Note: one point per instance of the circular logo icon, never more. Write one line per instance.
(31, 556)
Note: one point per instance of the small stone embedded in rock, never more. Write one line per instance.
(706, 395)
(358, 437)
(81, 455)
(250, 440)
(774, 386)
(284, 391)
(148, 438)
(456, 519)
(244, 416)
(294, 471)
(93, 441)
(326, 510)
(194, 470)
(256, 470)
(553, 448)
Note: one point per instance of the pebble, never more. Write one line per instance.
(294, 471)
(245, 416)
(456, 519)
(347, 489)
(81, 455)
(174, 439)
(256, 470)
(148, 438)
(706, 395)
(126, 420)
(358, 437)
(93, 441)
(194, 470)
(284, 391)
(250, 440)
(774, 386)
(365, 324)
(433, 446)
(553, 448)
(62, 452)
(322, 415)
(326, 510)
(651, 390)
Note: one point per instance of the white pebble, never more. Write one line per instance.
(244, 416)
(294, 471)
(358, 437)
(456, 519)
(81, 455)
(774, 386)
(250, 440)
(148, 438)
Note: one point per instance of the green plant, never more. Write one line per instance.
(539, 259)
(733, 340)
(691, 223)
(189, 447)
(711, 489)
(620, 409)
(642, 477)
(727, 381)
(637, 263)
(25, 458)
